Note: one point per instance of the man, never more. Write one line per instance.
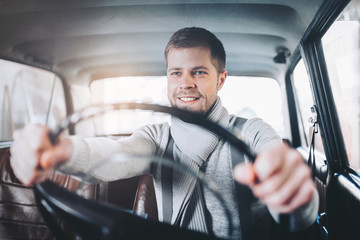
(195, 61)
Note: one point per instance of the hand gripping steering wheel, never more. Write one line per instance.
(98, 220)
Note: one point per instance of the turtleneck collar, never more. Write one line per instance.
(193, 140)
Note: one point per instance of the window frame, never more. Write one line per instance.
(310, 50)
(66, 94)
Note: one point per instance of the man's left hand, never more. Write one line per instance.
(280, 178)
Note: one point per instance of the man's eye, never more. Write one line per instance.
(175, 73)
(199, 72)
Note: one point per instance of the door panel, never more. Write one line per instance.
(343, 202)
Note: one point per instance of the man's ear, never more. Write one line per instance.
(222, 78)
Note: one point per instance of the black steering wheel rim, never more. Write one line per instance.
(187, 116)
(43, 189)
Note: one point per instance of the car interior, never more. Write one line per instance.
(293, 63)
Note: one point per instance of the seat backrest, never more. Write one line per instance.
(19, 214)
(145, 200)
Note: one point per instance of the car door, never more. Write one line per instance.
(323, 88)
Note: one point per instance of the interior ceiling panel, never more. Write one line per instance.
(82, 40)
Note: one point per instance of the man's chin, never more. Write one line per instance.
(195, 108)
(192, 109)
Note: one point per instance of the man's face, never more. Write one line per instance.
(193, 81)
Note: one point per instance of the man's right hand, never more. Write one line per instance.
(33, 155)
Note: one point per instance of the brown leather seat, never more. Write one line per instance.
(19, 216)
(21, 219)
(145, 200)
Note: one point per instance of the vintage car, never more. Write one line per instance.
(293, 63)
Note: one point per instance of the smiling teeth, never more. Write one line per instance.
(188, 99)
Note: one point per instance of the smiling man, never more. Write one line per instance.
(193, 80)
(195, 61)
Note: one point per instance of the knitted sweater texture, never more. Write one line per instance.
(153, 139)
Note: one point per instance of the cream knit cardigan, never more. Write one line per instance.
(153, 139)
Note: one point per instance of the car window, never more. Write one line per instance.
(28, 94)
(304, 103)
(128, 89)
(254, 97)
(341, 49)
(244, 96)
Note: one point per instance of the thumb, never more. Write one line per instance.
(48, 159)
(54, 155)
(245, 174)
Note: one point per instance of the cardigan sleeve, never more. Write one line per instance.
(106, 159)
(259, 135)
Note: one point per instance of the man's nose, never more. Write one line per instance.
(187, 81)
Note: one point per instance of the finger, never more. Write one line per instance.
(26, 152)
(303, 196)
(269, 186)
(24, 171)
(50, 158)
(266, 164)
(47, 159)
(288, 191)
(300, 198)
(22, 160)
(54, 155)
(21, 169)
(245, 174)
(279, 176)
(44, 143)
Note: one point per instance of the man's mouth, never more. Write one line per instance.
(188, 99)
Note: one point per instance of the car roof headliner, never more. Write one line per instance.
(85, 40)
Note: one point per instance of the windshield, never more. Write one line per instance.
(242, 96)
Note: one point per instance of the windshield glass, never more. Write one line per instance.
(243, 96)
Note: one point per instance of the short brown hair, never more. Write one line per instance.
(198, 37)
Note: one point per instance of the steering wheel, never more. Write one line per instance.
(99, 220)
